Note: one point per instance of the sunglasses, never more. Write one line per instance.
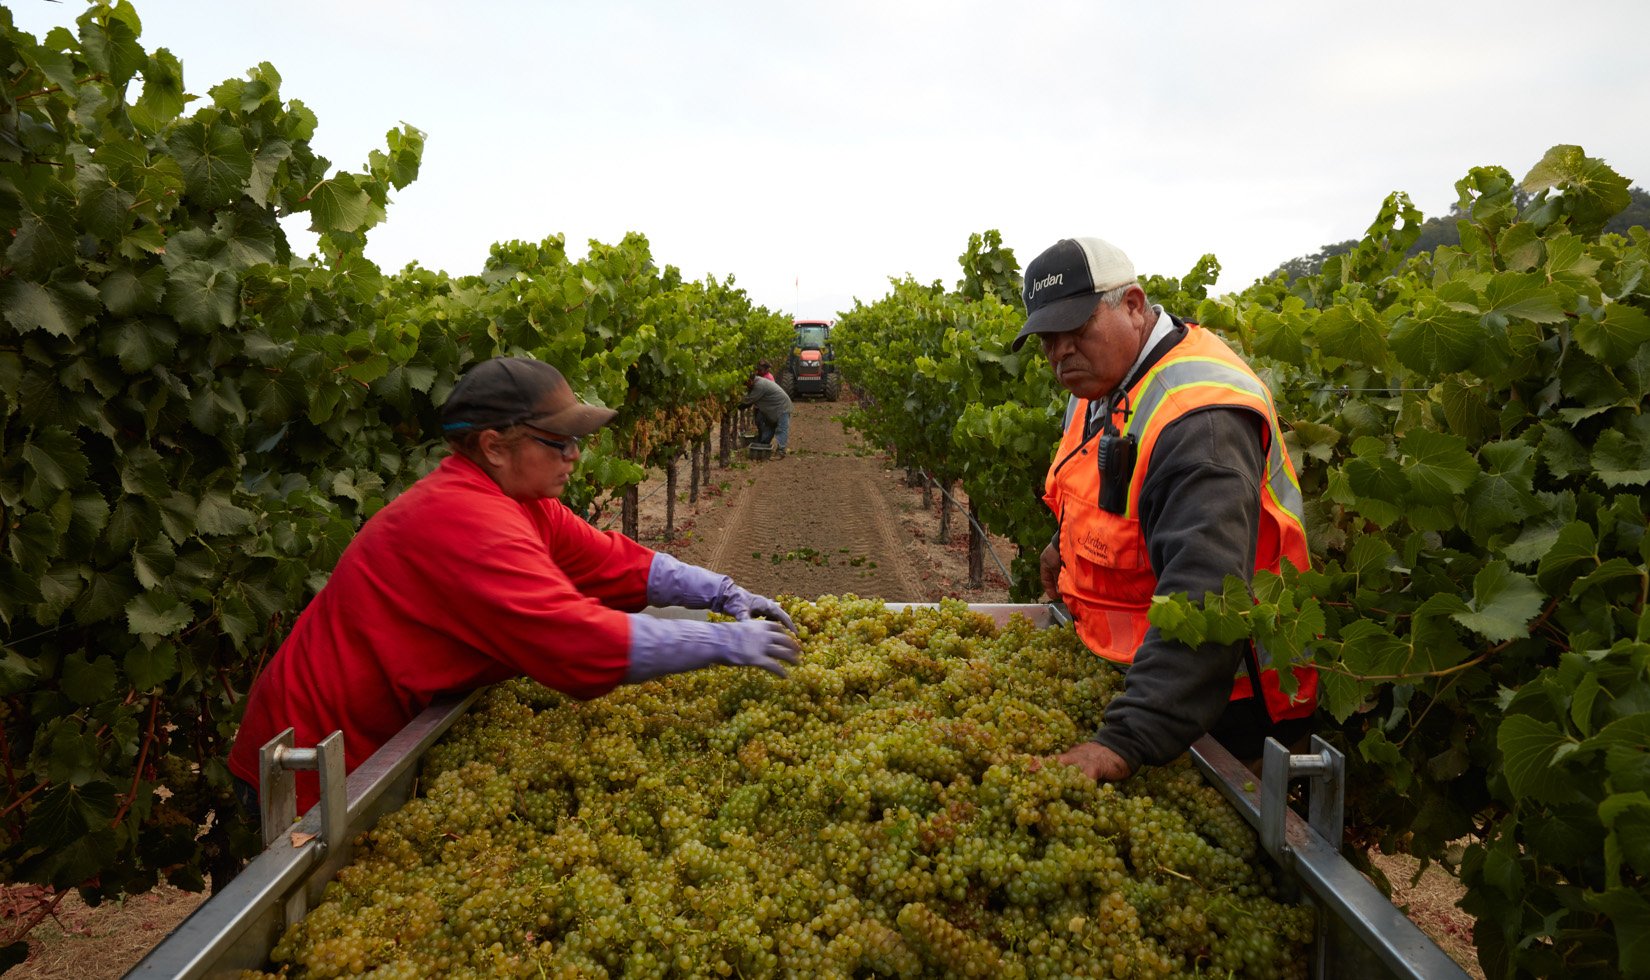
(568, 448)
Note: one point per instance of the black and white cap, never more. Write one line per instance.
(1064, 283)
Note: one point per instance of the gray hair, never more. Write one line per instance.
(1113, 297)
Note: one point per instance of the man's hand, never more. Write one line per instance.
(1097, 762)
(1049, 567)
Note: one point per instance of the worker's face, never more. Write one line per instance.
(1090, 361)
(529, 463)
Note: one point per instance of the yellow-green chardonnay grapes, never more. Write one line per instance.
(892, 808)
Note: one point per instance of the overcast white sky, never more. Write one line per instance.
(815, 149)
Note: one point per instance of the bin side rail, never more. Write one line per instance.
(1331, 881)
(237, 927)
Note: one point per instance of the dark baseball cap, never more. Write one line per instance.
(506, 391)
(1064, 283)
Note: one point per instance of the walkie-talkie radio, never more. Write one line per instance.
(1115, 458)
(1116, 468)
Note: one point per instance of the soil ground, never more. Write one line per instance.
(831, 518)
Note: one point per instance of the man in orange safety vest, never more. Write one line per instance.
(1171, 475)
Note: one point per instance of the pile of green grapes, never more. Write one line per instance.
(890, 809)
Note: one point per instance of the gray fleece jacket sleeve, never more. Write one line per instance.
(1200, 515)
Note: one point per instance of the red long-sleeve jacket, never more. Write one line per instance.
(452, 586)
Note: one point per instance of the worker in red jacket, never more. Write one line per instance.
(478, 573)
(1171, 476)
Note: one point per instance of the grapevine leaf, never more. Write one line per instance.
(1528, 747)
(1581, 702)
(237, 619)
(1631, 732)
(178, 514)
(1369, 558)
(1502, 496)
(1436, 340)
(1627, 815)
(148, 668)
(1439, 467)
(1368, 650)
(1177, 619)
(67, 811)
(1433, 638)
(1355, 332)
(1281, 338)
(126, 290)
(1315, 439)
(218, 515)
(1502, 868)
(157, 613)
(215, 162)
(339, 204)
(55, 458)
(1592, 191)
(1562, 452)
(17, 672)
(43, 239)
(142, 344)
(1615, 568)
(60, 309)
(1623, 459)
(1622, 331)
(1503, 603)
(87, 682)
(163, 96)
(1523, 295)
(1374, 475)
(92, 854)
(59, 588)
(112, 48)
(106, 594)
(105, 206)
(141, 472)
(1341, 695)
(202, 297)
(153, 561)
(247, 241)
(1629, 914)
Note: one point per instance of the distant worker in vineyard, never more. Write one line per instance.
(773, 411)
(478, 573)
(1171, 475)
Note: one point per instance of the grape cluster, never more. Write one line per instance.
(890, 809)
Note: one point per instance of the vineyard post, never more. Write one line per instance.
(976, 548)
(944, 533)
(670, 494)
(630, 512)
(694, 446)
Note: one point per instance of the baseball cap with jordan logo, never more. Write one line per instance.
(1064, 283)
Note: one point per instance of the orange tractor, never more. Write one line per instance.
(810, 370)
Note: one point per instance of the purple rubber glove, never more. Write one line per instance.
(741, 604)
(671, 646)
(676, 583)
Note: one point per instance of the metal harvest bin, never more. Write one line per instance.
(1360, 933)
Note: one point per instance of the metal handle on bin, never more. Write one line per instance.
(277, 786)
(1325, 768)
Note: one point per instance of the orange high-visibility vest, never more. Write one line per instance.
(1106, 577)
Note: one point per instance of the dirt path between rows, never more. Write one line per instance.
(830, 518)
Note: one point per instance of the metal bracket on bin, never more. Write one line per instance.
(277, 786)
(1325, 768)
